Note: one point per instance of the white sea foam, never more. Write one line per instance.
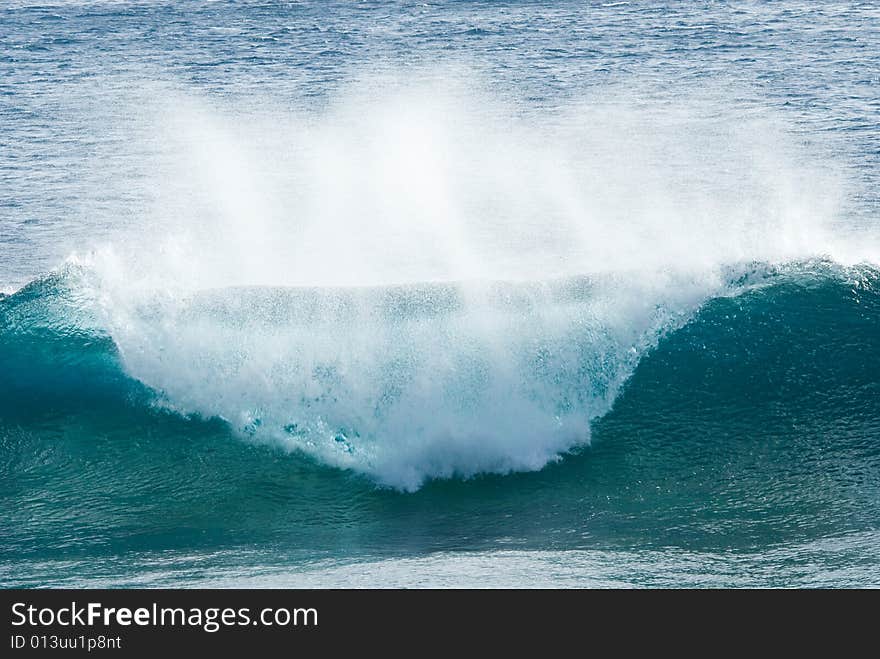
(397, 184)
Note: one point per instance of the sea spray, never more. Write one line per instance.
(422, 281)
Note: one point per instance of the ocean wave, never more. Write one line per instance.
(417, 382)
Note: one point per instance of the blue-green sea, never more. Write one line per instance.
(439, 294)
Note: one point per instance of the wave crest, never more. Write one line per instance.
(400, 383)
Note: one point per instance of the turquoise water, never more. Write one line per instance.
(441, 294)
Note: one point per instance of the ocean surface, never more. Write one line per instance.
(357, 294)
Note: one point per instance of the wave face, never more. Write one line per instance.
(414, 382)
(750, 421)
(402, 383)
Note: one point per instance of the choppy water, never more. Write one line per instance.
(512, 294)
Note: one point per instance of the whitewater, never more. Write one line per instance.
(421, 283)
(468, 303)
